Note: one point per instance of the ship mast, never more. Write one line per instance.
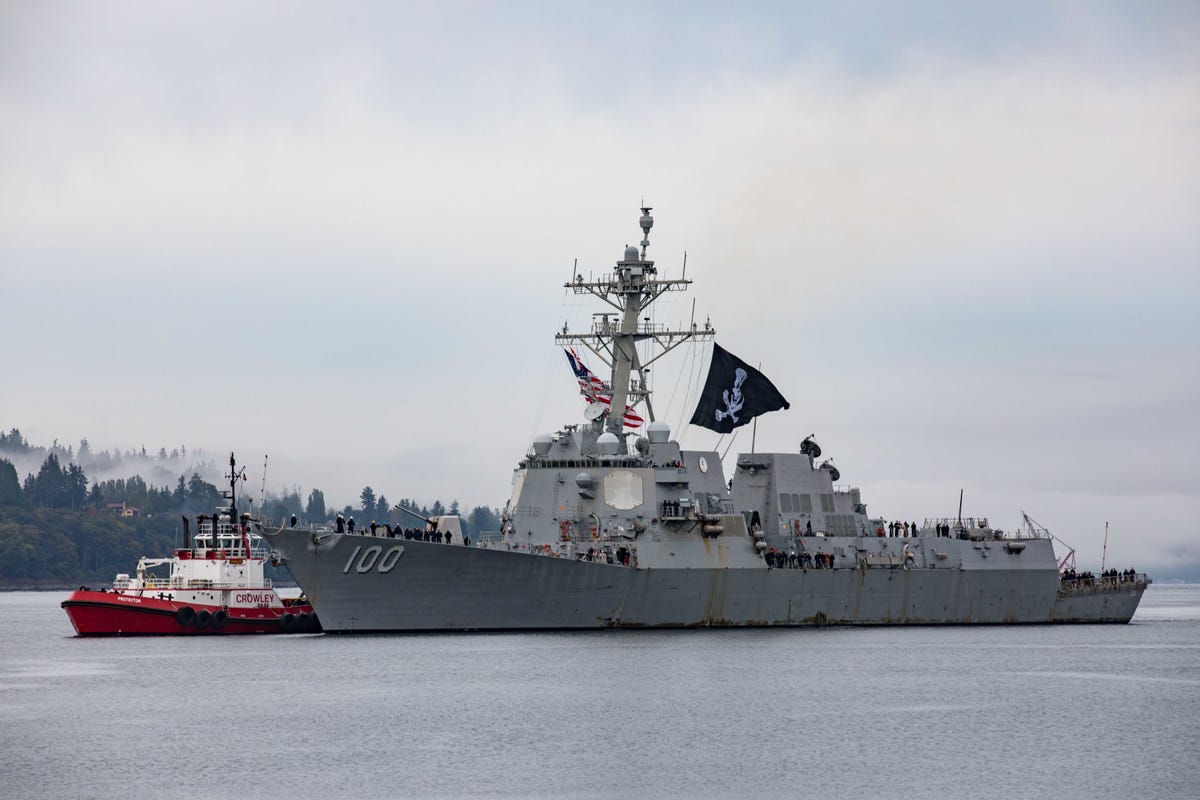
(631, 289)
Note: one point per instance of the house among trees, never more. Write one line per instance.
(124, 510)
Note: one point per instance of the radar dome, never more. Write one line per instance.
(631, 253)
(541, 444)
(608, 443)
(658, 431)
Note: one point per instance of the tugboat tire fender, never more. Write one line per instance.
(186, 616)
(219, 618)
(288, 623)
(203, 618)
(303, 621)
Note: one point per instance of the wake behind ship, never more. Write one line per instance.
(612, 525)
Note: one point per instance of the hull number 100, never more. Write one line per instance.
(364, 559)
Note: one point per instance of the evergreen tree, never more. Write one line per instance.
(481, 520)
(201, 494)
(10, 484)
(14, 442)
(383, 511)
(437, 510)
(315, 510)
(367, 499)
(48, 489)
(75, 486)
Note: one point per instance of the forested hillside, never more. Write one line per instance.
(58, 528)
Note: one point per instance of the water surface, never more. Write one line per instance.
(1105, 711)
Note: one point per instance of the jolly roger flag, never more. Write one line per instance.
(734, 394)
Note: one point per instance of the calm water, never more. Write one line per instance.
(1062, 712)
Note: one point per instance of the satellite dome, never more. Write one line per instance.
(541, 444)
(584, 480)
(608, 443)
(658, 431)
(631, 253)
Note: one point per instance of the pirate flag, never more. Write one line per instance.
(734, 394)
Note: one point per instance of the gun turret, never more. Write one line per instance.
(446, 523)
(430, 521)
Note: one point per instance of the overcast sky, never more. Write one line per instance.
(962, 239)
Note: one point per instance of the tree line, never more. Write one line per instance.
(56, 527)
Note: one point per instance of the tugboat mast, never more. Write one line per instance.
(631, 290)
(234, 474)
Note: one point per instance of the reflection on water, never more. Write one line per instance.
(1041, 711)
(1111, 676)
(20, 668)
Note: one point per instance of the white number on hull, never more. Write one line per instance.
(389, 560)
(369, 558)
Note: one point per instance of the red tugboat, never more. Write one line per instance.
(215, 586)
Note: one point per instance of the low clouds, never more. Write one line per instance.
(966, 239)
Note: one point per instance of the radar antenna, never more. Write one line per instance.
(631, 289)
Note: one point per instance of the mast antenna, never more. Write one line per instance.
(630, 291)
(234, 474)
(1104, 552)
(262, 492)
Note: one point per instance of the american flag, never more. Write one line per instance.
(592, 387)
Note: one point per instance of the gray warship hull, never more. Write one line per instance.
(361, 584)
(607, 528)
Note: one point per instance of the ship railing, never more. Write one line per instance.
(236, 551)
(207, 583)
(602, 550)
(1086, 584)
(967, 523)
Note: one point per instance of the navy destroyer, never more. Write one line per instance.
(611, 524)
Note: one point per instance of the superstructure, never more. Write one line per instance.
(611, 524)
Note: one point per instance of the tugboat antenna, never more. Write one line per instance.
(262, 492)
